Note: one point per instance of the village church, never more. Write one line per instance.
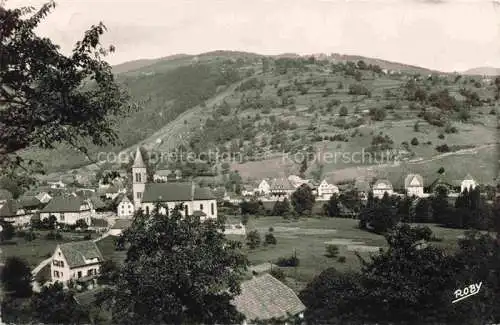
(196, 201)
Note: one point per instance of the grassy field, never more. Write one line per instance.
(37, 250)
(307, 237)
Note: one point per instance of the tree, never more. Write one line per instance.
(49, 98)
(54, 305)
(303, 167)
(414, 142)
(108, 272)
(281, 208)
(16, 277)
(303, 199)
(332, 208)
(7, 232)
(253, 239)
(269, 239)
(343, 111)
(178, 270)
(80, 223)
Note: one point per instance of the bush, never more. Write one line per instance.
(343, 111)
(278, 274)
(270, 239)
(288, 261)
(253, 239)
(443, 148)
(378, 114)
(441, 136)
(414, 142)
(450, 129)
(341, 259)
(332, 250)
(53, 236)
(30, 236)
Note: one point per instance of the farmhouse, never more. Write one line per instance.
(265, 298)
(146, 195)
(67, 209)
(79, 261)
(12, 211)
(468, 183)
(381, 187)
(281, 188)
(414, 185)
(325, 190)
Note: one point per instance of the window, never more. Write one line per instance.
(79, 274)
(62, 216)
(139, 195)
(62, 274)
(201, 207)
(212, 210)
(138, 178)
(56, 274)
(89, 272)
(61, 264)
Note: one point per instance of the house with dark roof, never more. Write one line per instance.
(281, 187)
(31, 203)
(79, 261)
(13, 212)
(5, 195)
(147, 195)
(67, 209)
(265, 298)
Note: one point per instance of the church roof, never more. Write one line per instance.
(174, 192)
(138, 161)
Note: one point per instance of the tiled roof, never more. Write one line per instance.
(77, 252)
(174, 192)
(281, 184)
(64, 204)
(9, 208)
(29, 202)
(163, 172)
(5, 195)
(265, 297)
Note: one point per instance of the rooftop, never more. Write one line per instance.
(174, 192)
(77, 252)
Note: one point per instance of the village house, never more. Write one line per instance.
(147, 195)
(67, 210)
(414, 185)
(125, 208)
(381, 187)
(468, 183)
(265, 298)
(31, 204)
(43, 197)
(325, 190)
(264, 188)
(4, 196)
(78, 261)
(12, 211)
(162, 175)
(56, 185)
(281, 188)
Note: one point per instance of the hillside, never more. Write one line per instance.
(483, 71)
(262, 110)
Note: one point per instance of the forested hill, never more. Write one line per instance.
(254, 104)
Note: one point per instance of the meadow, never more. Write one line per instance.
(306, 238)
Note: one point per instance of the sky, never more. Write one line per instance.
(446, 35)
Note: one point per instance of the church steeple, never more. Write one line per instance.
(138, 161)
(139, 178)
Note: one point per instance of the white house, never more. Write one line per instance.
(67, 209)
(468, 183)
(414, 185)
(56, 185)
(162, 175)
(381, 187)
(125, 208)
(195, 200)
(264, 188)
(12, 211)
(325, 190)
(75, 261)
